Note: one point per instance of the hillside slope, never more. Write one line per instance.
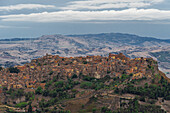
(114, 83)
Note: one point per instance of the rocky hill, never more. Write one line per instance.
(20, 51)
(114, 83)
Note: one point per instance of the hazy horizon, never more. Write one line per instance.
(86, 34)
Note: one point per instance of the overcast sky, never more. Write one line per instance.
(33, 18)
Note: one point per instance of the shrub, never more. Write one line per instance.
(22, 104)
(51, 72)
(59, 84)
(74, 76)
(94, 110)
(1, 68)
(142, 98)
(86, 85)
(108, 72)
(88, 78)
(85, 62)
(39, 90)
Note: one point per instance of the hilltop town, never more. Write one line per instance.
(19, 51)
(32, 74)
(53, 78)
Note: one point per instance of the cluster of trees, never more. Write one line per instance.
(45, 104)
(138, 80)
(153, 91)
(93, 83)
(15, 93)
(97, 84)
(105, 110)
(29, 96)
(124, 77)
(134, 107)
(57, 89)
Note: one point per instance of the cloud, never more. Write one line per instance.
(24, 6)
(2, 27)
(109, 4)
(81, 16)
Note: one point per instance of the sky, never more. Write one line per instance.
(34, 18)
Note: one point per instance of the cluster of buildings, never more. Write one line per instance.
(36, 72)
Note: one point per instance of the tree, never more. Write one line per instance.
(4, 89)
(45, 92)
(86, 85)
(39, 90)
(51, 72)
(59, 84)
(30, 108)
(94, 110)
(105, 110)
(74, 76)
(1, 68)
(142, 98)
(117, 91)
(146, 85)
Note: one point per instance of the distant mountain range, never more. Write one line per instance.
(122, 38)
(18, 51)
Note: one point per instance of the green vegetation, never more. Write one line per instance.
(29, 96)
(39, 64)
(97, 84)
(94, 110)
(22, 104)
(125, 77)
(105, 110)
(52, 85)
(86, 85)
(38, 90)
(135, 107)
(45, 104)
(15, 93)
(88, 78)
(135, 81)
(30, 108)
(1, 68)
(85, 62)
(51, 72)
(74, 76)
(153, 91)
(93, 83)
(60, 89)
